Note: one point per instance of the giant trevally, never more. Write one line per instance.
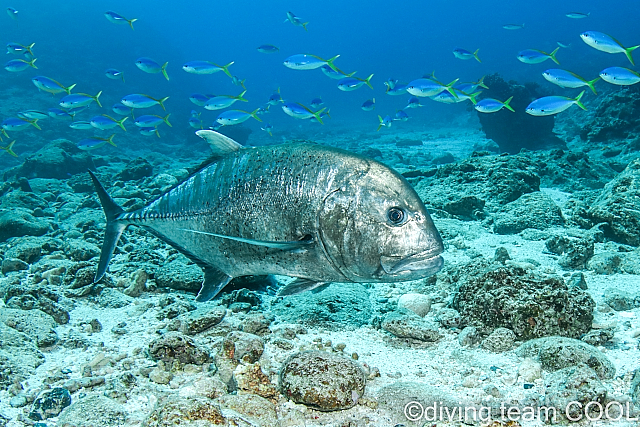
(316, 213)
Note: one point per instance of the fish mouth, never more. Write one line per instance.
(427, 262)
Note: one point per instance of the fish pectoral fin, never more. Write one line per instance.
(219, 143)
(214, 281)
(300, 285)
(296, 245)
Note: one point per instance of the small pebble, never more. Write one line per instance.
(341, 346)
(18, 401)
(528, 386)
(354, 356)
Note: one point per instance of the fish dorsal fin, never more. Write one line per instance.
(300, 285)
(220, 144)
(214, 281)
(286, 246)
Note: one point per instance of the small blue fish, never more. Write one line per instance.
(549, 105)
(470, 87)
(94, 142)
(121, 109)
(49, 85)
(299, 111)
(397, 89)
(14, 124)
(275, 98)
(513, 26)
(19, 49)
(606, 43)
(564, 78)
(457, 96)
(564, 45)
(33, 114)
(620, 76)
(13, 14)
(9, 149)
(150, 66)
(308, 62)
(335, 72)
(352, 83)
(264, 109)
(206, 67)
(236, 81)
(223, 101)
(152, 121)
(386, 122)
(316, 103)
(82, 125)
(195, 123)
(324, 113)
(153, 131)
(16, 65)
(268, 48)
(577, 15)
(490, 105)
(195, 113)
(79, 100)
(234, 117)
(296, 21)
(534, 56)
(57, 113)
(198, 99)
(428, 87)
(268, 127)
(119, 19)
(369, 104)
(402, 116)
(414, 102)
(105, 122)
(138, 100)
(465, 54)
(75, 110)
(114, 74)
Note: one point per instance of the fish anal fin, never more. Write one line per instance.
(300, 285)
(214, 281)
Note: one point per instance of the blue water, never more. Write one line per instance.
(75, 43)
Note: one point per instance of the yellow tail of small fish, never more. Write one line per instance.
(9, 149)
(131, 21)
(164, 70)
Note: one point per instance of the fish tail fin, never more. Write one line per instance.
(552, 55)
(254, 114)
(32, 63)
(318, 117)
(330, 63)
(157, 133)
(507, 106)
(381, 122)
(120, 123)
(472, 97)
(242, 83)
(577, 101)
(225, 68)
(481, 83)
(161, 102)
(131, 21)
(350, 74)
(69, 88)
(9, 148)
(164, 70)
(110, 140)
(122, 75)
(114, 229)
(241, 97)
(304, 25)
(475, 55)
(35, 124)
(96, 98)
(166, 120)
(30, 47)
(591, 85)
(327, 113)
(449, 88)
(368, 81)
(628, 51)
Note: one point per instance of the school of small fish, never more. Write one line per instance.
(427, 86)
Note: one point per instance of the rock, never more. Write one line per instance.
(30, 249)
(321, 380)
(405, 325)
(530, 370)
(338, 306)
(618, 206)
(37, 297)
(163, 182)
(95, 411)
(13, 264)
(134, 170)
(576, 252)
(23, 199)
(59, 159)
(578, 280)
(467, 207)
(249, 408)
(618, 299)
(160, 376)
(37, 325)
(19, 356)
(605, 263)
(187, 412)
(500, 340)
(418, 303)
(501, 255)
(250, 379)
(179, 276)
(242, 346)
(614, 118)
(175, 347)
(137, 283)
(19, 222)
(634, 391)
(489, 297)
(468, 337)
(559, 352)
(575, 384)
(113, 298)
(598, 337)
(257, 323)
(79, 250)
(50, 403)
(200, 320)
(533, 210)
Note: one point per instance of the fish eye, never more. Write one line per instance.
(396, 215)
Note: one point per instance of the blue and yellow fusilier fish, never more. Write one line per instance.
(33, 114)
(386, 122)
(94, 142)
(13, 14)
(564, 78)
(534, 56)
(105, 122)
(119, 19)
(549, 105)
(16, 65)
(152, 121)
(275, 98)
(49, 85)
(490, 105)
(75, 100)
(138, 100)
(268, 48)
(114, 74)
(81, 125)
(199, 99)
(401, 116)
(299, 111)
(335, 72)
(234, 117)
(426, 87)
(369, 104)
(150, 66)
(606, 43)
(352, 83)
(320, 214)
(122, 110)
(206, 67)
(268, 127)
(305, 61)
(223, 101)
(296, 21)
(20, 49)
(465, 54)
(150, 132)
(620, 76)
(414, 102)
(14, 124)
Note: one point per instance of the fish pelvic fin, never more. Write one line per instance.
(475, 55)
(368, 81)
(214, 281)
(507, 106)
(330, 64)
(591, 85)
(120, 123)
(131, 21)
(552, 55)
(628, 50)
(9, 149)
(164, 70)
(166, 120)
(161, 102)
(96, 98)
(318, 116)
(69, 88)
(577, 101)
(113, 230)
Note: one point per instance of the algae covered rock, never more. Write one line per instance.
(532, 306)
(50, 403)
(533, 210)
(321, 380)
(175, 347)
(405, 324)
(19, 222)
(575, 384)
(60, 159)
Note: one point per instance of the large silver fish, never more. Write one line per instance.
(313, 212)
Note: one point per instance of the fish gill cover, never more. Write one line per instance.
(516, 123)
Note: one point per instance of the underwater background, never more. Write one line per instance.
(536, 308)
